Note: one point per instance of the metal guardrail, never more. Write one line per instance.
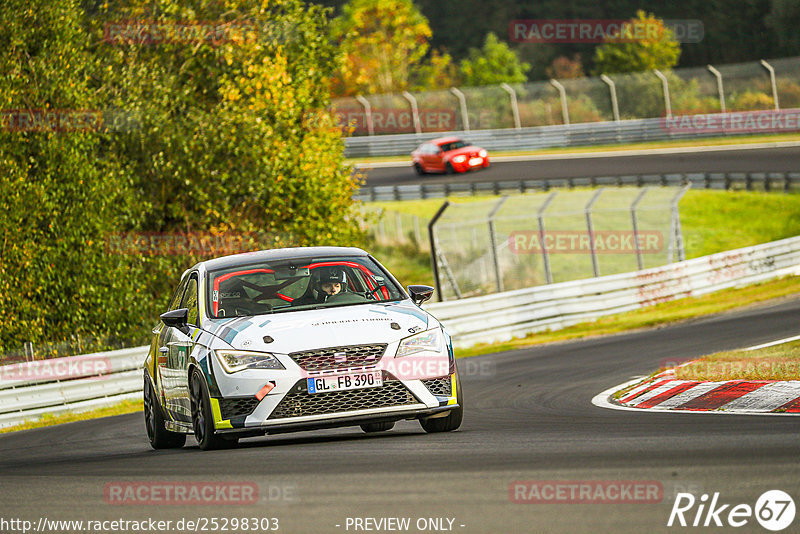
(31, 389)
(503, 316)
(538, 137)
(762, 181)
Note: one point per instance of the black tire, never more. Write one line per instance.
(203, 418)
(419, 169)
(448, 169)
(377, 427)
(157, 434)
(450, 422)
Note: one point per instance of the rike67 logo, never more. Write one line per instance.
(774, 510)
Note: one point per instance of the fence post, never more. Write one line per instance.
(665, 90)
(417, 233)
(612, 88)
(676, 234)
(414, 111)
(368, 112)
(462, 101)
(542, 236)
(563, 94)
(493, 243)
(718, 75)
(772, 82)
(589, 228)
(635, 222)
(514, 107)
(398, 224)
(432, 238)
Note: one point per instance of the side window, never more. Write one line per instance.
(190, 301)
(174, 304)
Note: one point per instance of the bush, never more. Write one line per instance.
(228, 138)
(751, 101)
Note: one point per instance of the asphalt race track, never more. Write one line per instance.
(733, 160)
(529, 417)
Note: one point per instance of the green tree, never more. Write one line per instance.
(383, 42)
(234, 135)
(654, 48)
(230, 134)
(57, 194)
(492, 64)
(784, 20)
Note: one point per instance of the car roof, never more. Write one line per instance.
(443, 140)
(276, 254)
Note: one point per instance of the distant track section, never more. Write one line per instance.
(724, 160)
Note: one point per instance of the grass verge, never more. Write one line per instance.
(712, 221)
(653, 316)
(780, 362)
(124, 407)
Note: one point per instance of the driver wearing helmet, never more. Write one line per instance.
(326, 282)
(330, 282)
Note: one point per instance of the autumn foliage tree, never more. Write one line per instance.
(383, 42)
(229, 135)
(646, 46)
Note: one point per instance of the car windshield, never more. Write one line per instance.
(298, 284)
(453, 145)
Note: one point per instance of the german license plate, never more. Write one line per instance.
(324, 384)
(475, 161)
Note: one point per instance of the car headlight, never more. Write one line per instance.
(482, 153)
(430, 340)
(460, 159)
(237, 360)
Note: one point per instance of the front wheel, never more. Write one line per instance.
(202, 417)
(377, 427)
(157, 434)
(420, 170)
(448, 169)
(451, 421)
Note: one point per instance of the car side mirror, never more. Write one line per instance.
(176, 318)
(420, 294)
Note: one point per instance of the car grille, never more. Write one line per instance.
(348, 357)
(303, 403)
(439, 386)
(237, 406)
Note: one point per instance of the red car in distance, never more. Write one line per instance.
(449, 155)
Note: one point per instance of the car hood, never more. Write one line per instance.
(331, 327)
(470, 150)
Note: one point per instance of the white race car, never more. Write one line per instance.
(296, 339)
